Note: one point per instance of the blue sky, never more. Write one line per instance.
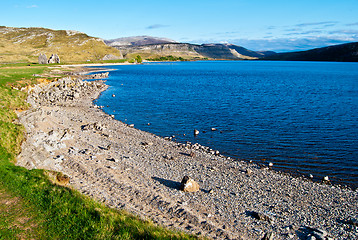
(279, 25)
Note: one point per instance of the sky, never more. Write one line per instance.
(277, 25)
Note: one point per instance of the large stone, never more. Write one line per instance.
(54, 59)
(317, 233)
(269, 236)
(196, 132)
(42, 59)
(189, 185)
(261, 216)
(100, 75)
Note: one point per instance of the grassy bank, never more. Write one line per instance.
(32, 205)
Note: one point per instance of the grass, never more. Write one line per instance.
(33, 207)
(17, 218)
(98, 61)
(25, 45)
(167, 58)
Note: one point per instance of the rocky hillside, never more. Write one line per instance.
(137, 41)
(191, 51)
(26, 44)
(338, 53)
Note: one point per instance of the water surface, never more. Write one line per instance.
(302, 116)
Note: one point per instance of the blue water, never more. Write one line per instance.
(302, 116)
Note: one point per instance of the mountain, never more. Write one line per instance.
(189, 51)
(137, 41)
(26, 44)
(338, 53)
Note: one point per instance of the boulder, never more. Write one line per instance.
(269, 236)
(54, 59)
(261, 216)
(189, 185)
(63, 179)
(317, 233)
(42, 59)
(99, 75)
(196, 132)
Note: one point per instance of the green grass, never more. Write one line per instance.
(39, 208)
(17, 218)
(167, 58)
(25, 45)
(96, 61)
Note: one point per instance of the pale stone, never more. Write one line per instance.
(189, 185)
(42, 59)
(54, 59)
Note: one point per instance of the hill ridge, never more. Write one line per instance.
(347, 52)
(191, 51)
(26, 44)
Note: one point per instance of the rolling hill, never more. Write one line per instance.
(189, 51)
(338, 53)
(26, 44)
(137, 41)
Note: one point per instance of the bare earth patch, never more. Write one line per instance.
(16, 219)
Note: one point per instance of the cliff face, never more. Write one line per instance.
(339, 53)
(186, 50)
(158, 50)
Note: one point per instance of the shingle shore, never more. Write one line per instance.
(140, 172)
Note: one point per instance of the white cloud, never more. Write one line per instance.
(32, 6)
(352, 24)
(292, 44)
(325, 24)
(155, 26)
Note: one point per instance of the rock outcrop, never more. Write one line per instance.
(54, 59)
(42, 59)
(111, 57)
(81, 76)
(64, 90)
(213, 51)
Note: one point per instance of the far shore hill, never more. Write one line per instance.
(26, 44)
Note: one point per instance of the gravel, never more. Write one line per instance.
(140, 172)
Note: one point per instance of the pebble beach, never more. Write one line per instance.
(139, 172)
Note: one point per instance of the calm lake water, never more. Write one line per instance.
(302, 116)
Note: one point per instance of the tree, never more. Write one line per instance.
(138, 59)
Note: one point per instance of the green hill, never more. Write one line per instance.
(26, 44)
